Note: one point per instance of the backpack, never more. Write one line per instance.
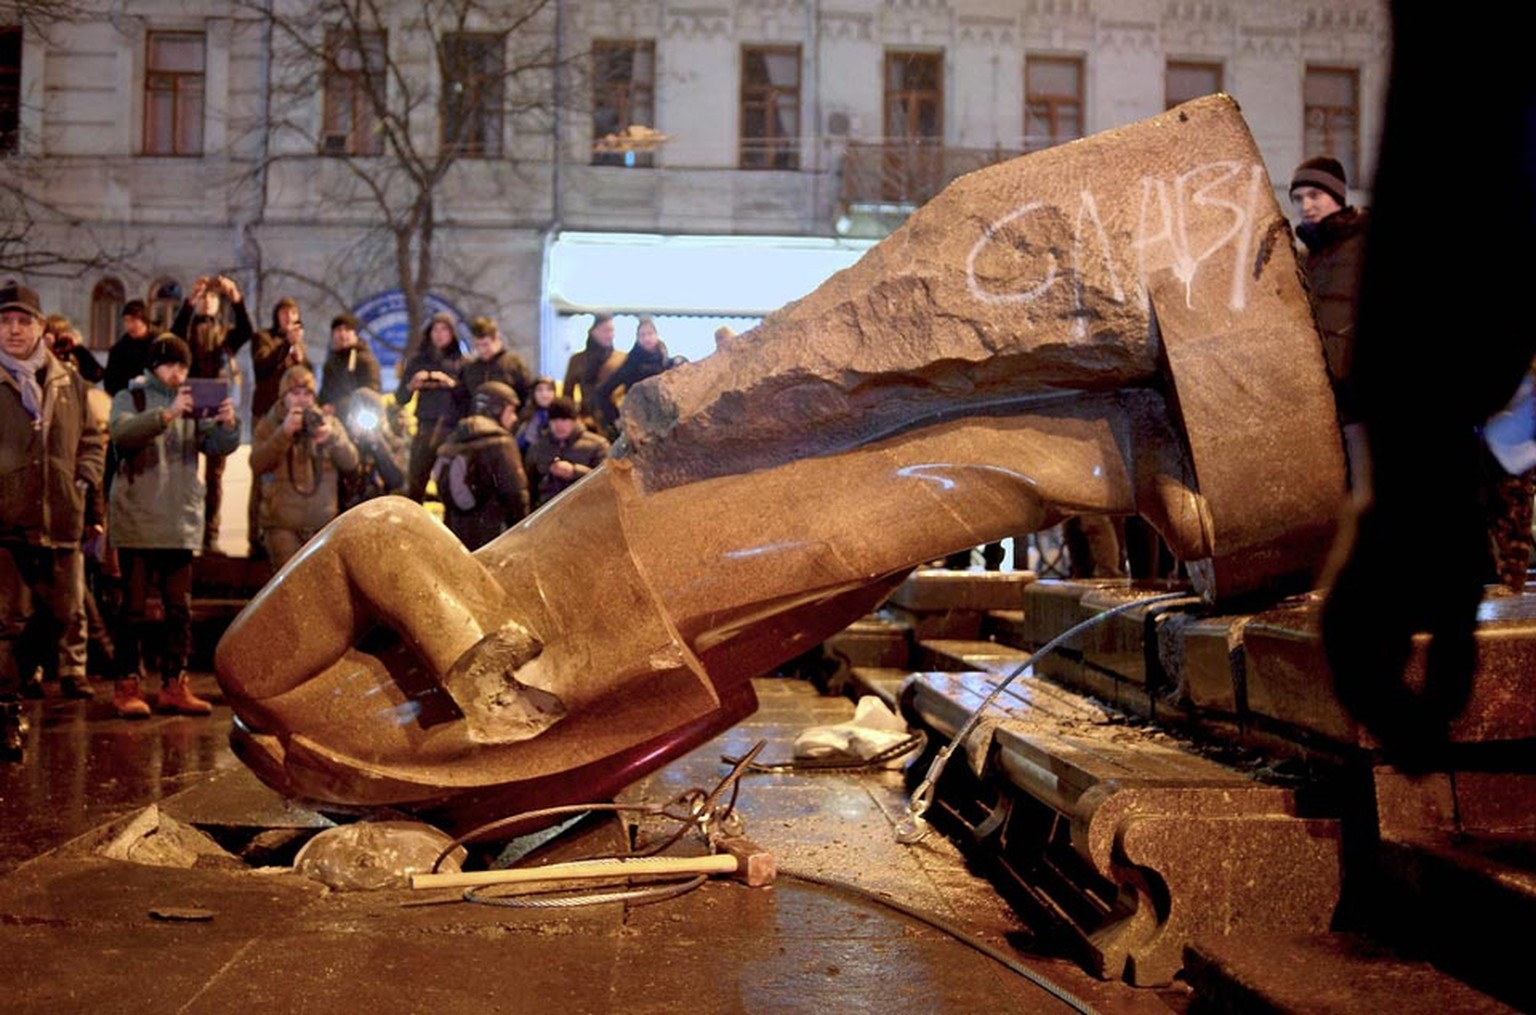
(458, 481)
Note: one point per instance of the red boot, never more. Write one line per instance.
(176, 696)
(128, 701)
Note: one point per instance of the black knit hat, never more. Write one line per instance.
(562, 408)
(168, 348)
(1324, 173)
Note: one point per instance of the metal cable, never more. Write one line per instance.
(548, 900)
(913, 828)
(940, 924)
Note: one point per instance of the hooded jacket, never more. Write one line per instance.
(157, 495)
(493, 469)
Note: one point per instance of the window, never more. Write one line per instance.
(1053, 100)
(474, 85)
(623, 96)
(1184, 80)
(173, 93)
(1332, 118)
(107, 299)
(770, 107)
(164, 301)
(10, 87)
(354, 77)
(914, 97)
(913, 157)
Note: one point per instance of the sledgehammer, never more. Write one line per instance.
(739, 857)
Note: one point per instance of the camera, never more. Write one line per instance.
(314, 419)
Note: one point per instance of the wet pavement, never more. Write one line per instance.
(80, 931)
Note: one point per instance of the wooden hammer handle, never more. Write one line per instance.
(720, 863)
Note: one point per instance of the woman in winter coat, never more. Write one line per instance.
(432, 378)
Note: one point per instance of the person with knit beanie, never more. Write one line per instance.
(1334, 234)
(155, 517)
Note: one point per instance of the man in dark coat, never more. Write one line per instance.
(126, 358)
(51, 451)
(348, 366)
(479, 472)
(493, 361)
(591, 366)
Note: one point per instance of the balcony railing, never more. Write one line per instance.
(907, 172)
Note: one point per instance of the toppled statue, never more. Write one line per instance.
(1114, 326)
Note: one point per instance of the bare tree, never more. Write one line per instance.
(394, 112)
(30, 225)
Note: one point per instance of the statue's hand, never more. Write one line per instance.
(498, 707)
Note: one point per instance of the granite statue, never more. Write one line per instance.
(1114, 326)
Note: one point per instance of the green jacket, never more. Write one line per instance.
(157, 495)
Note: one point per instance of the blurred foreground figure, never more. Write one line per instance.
(1010, 357)
(1427, 375)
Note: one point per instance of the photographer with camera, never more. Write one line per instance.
(373, 427)
(155, 517)
(298, 455)
(63, 340)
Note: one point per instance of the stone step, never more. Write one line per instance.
(878, 640)
(1128, 840)
(1323, 973)
(882, 682)
(962, 654)
(937, 590)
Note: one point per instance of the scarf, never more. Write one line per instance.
(25, 372)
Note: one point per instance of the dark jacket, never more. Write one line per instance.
(586, 371)
(583, 449)
(492, 478)
(637, 366)
(214, 347)
(344, 372)
(85, 363)
(506, 366)
(126, 361)
(443, 406)
(1335, 254)
(47, 467)
(269, 359)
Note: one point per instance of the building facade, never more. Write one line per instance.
(308, 151)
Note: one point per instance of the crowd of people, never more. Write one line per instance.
(111, 475)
